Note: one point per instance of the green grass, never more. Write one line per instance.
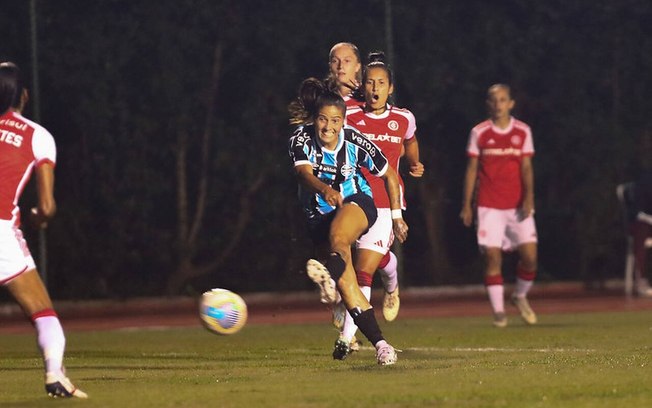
(583, 360)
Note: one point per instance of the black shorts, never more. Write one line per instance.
(319, 227)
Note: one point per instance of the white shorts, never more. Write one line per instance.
(504, 229)
(15, 257)
(380, 236)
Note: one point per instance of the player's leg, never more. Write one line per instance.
(31, 295)
(522, 233)
(388, 269)
(349, 223)
(641, 231)
(493, 280)
(491, 233)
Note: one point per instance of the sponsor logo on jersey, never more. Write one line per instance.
(325, 168)
(13, 123)
(364, 143)
(510, 151)
(392, 125)
(11, 138)
(383, 138)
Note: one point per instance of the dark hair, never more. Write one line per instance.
(376, 59)
(313, 95)
(11, 86)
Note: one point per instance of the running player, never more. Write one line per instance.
(500, 152)
(391, 129)
(26, 146)
(337, 200)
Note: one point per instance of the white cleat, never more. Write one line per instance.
(524, 308)
(385, 354)
(320, 275)
(59, 386)
(391, 305)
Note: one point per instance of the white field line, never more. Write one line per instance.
(489, 350)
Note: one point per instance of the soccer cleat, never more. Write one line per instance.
(59, 386)
(339, 315)
(320, 275)
(385, 354)
(354, 344)
(341, 349)
(391, 304)
(524, 308)
(500, 320)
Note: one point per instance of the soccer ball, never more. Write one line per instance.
(222, 311)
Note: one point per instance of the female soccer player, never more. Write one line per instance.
(337, 200)
(391, 129)
(500, 151)
(26, 146)
(345, 72)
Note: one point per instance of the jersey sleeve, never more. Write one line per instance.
(44, 147)
(528, 144)
(412, 126)
(298, 148)
(472, 149)
(370, 156)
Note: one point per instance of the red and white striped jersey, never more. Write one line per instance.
(388, 131)
(23, 145)
(500, 152)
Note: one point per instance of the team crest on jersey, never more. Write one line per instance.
(347, 170)
(392, 125)
(516, 140)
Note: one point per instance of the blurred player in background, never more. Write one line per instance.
(500, 152)
(391, 129)
(26, 146)
(345, 72)
(337, 201)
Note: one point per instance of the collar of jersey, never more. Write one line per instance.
(503, 131)
(383, 115)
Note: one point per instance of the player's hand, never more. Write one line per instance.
(352, 84)
(417, 169)
(36, 219)
(400, 229)
(527, 209)
(466, 215)
(332, 197)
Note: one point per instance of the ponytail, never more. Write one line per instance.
(313, 95)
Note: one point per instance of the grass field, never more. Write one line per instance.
(580, 360)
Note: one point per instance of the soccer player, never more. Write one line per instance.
(641, 230)
(500, 152)
(337, 201)
(345, 72)
(391, 129)
(26, 147)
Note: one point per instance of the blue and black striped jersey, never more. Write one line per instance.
(340, 168)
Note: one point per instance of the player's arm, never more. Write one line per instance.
(394, 193)
(470, 178)
(47, 207)
(527, 177)
(411, 147)
(310, 182)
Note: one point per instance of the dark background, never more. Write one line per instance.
(162, 108)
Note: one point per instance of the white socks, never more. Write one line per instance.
(51, 341)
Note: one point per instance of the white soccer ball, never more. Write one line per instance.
(222, 311)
